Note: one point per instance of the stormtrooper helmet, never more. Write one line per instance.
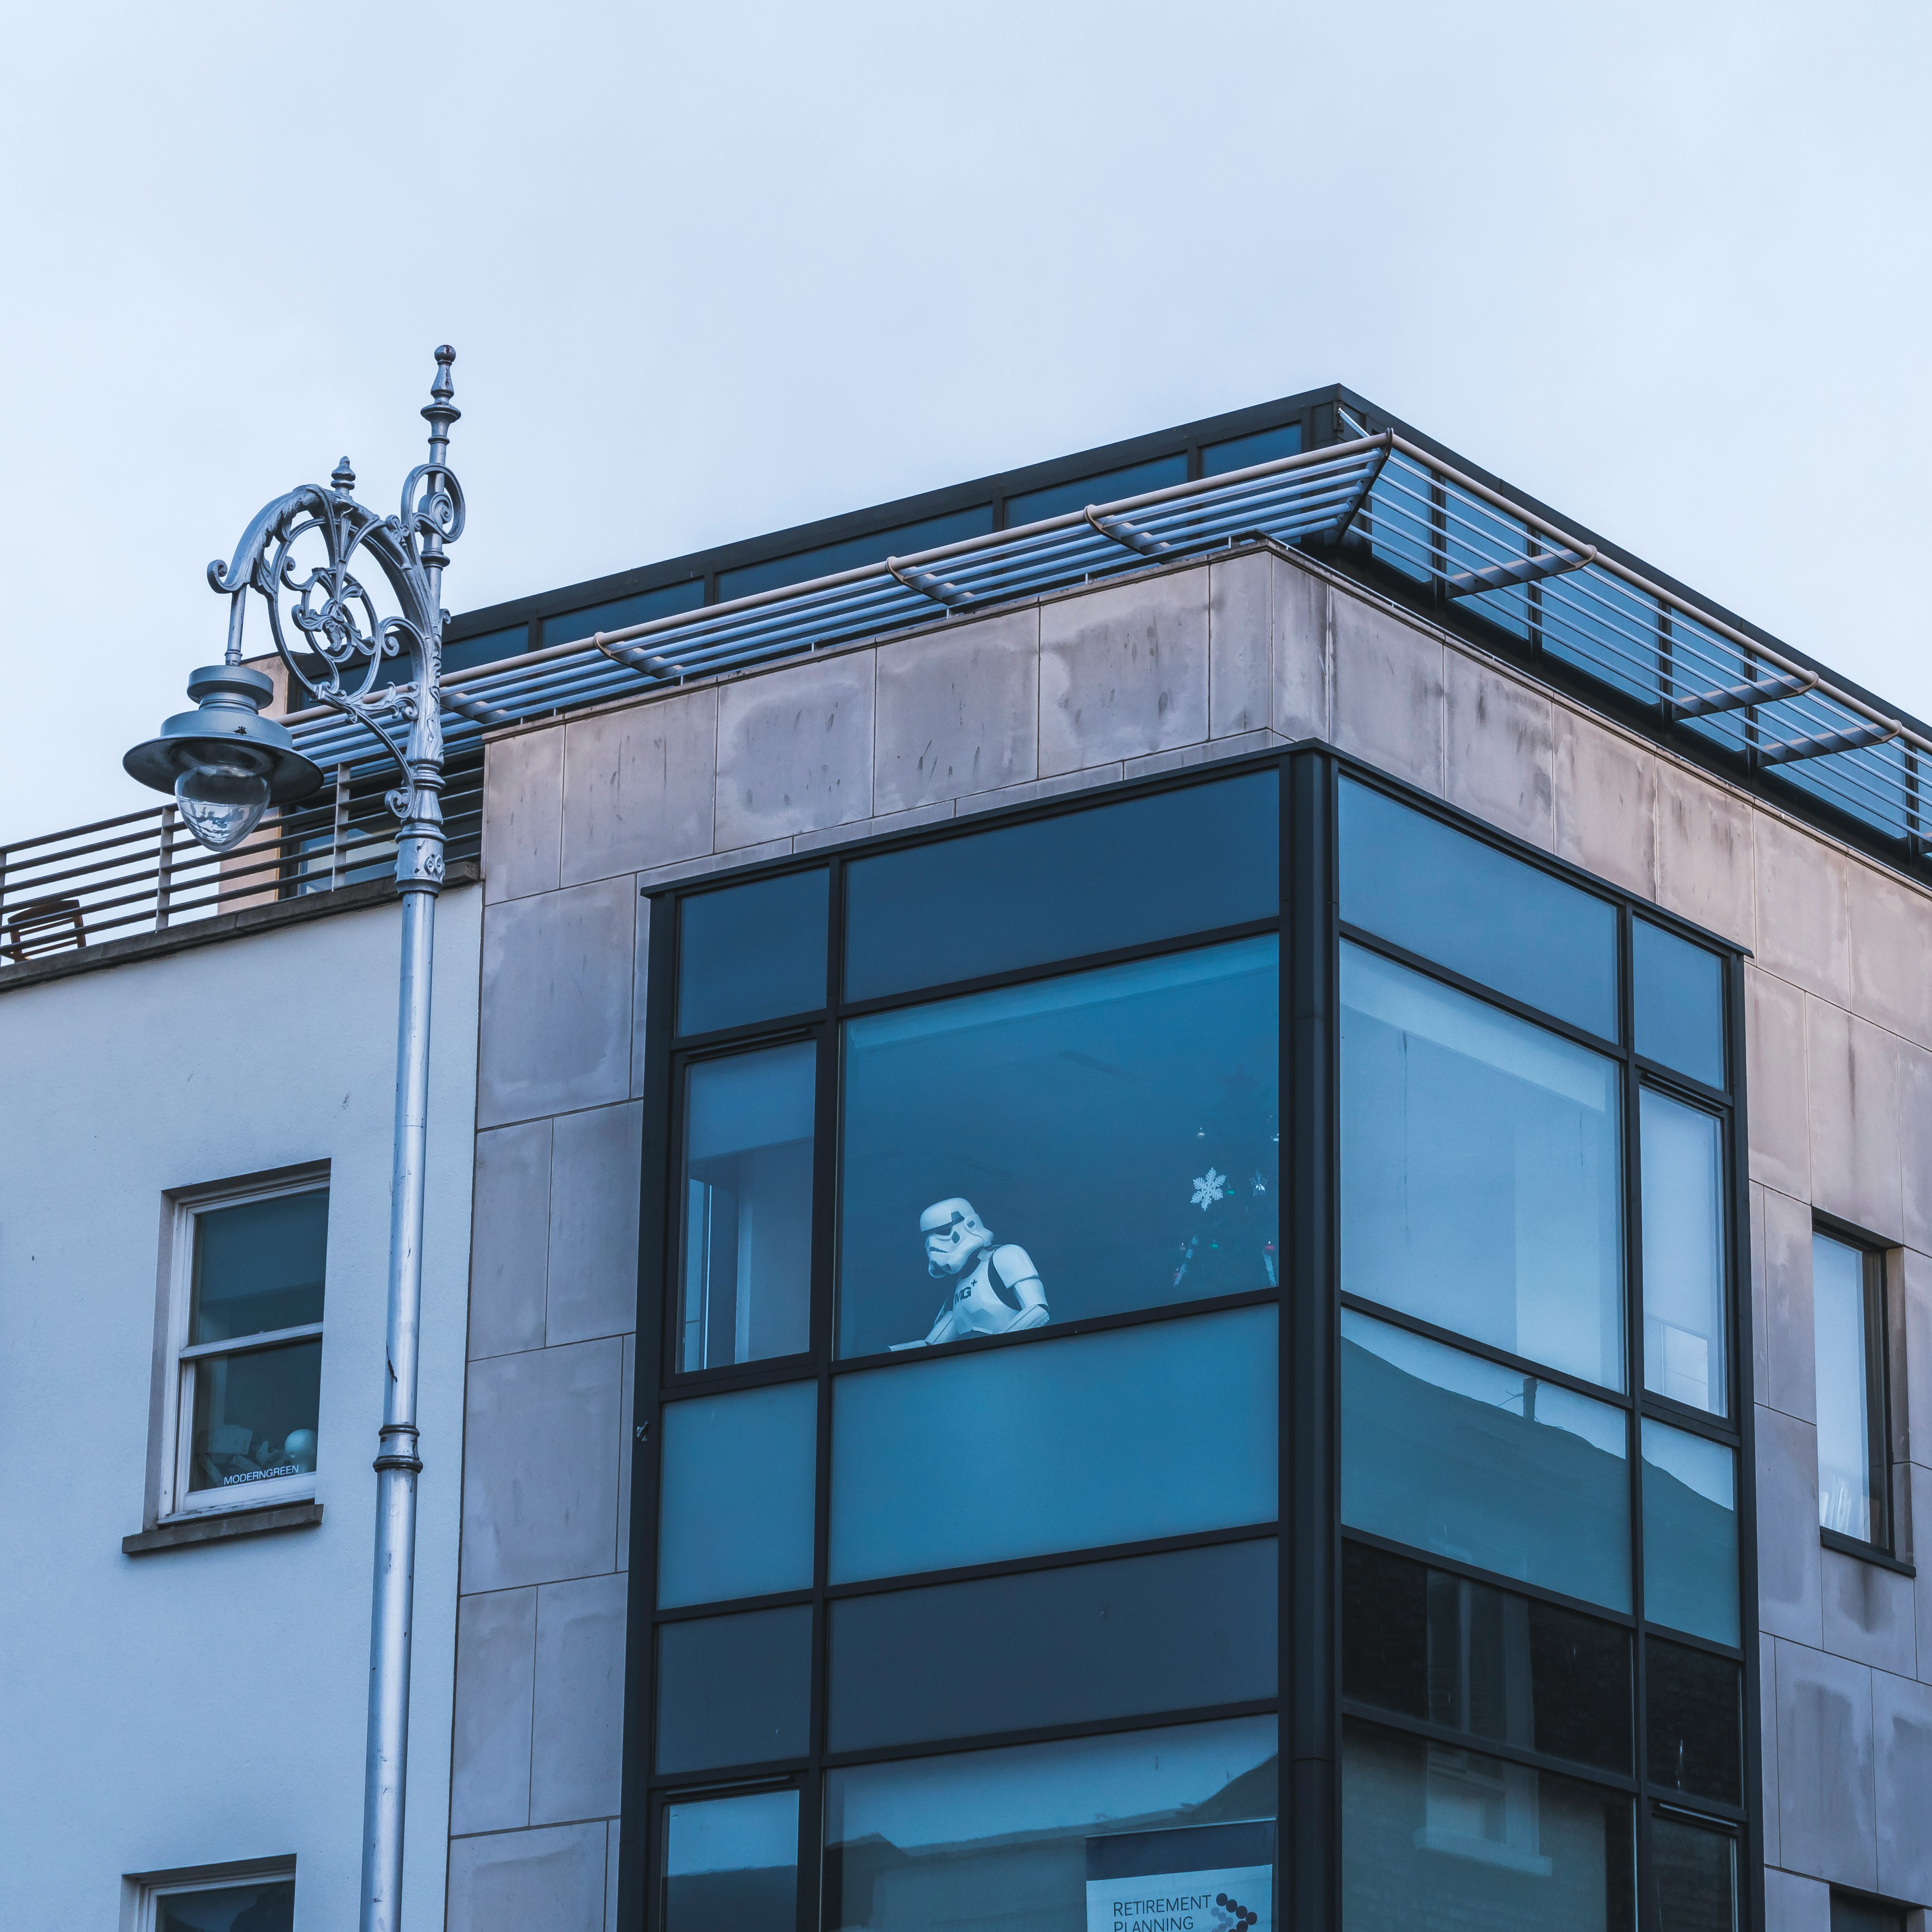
(955, 1238)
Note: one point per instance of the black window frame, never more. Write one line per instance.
(1309, 1707)
(1874, 1257)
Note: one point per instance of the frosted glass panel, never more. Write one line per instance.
(1050, 1445)
(737, 1514)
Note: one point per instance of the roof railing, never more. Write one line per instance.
(141, 872)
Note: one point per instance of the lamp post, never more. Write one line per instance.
(226, 764)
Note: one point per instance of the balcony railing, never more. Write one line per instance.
(142, 872)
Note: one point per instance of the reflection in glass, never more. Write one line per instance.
(1435, 1838)
(1479, 1170)
(1066, 887)
(1437, 891)
(732, 1862)
(1683, 1169)
(751, 953)
(1694, 1872)
(259, 1266)
(1444, 1451)
(1679, 990)
(1694, 1719)
(1110, 1137)
(1187, 1628)
(1109, 486)
(1848, 1318)
(1239, 452)
(1690, 1533)
(747, 1236)
(268, 1905)
(734, 1689)
(1449, 1650)
(255, 1415)
(736, 1515)
(1133, 1433)
(1001, 1839)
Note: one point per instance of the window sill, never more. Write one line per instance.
(1850, 1545)
(222, 1526)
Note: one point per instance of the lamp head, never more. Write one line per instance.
(224, 762)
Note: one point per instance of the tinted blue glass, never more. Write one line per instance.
(262, 1906)
(732, 1862)
(1109, 1139)
(1189, 1628)
(1684, 1352)
(644, 607)
(1480, 1171)
(751, 952)
(734, 1689)
(1007, 1840)
(1679, 993)
(1446, 1452)
(1694, 1873)
(1451, 899)
(1690, 1533)
(1146, 868)
(1133, 1433)
(1265, 445)
(1436, 1841)
(1107, 486)
(467, 653)
(745, 1260)
(736, 1517)
(827, 560)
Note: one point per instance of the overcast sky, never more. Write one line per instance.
(714, 270)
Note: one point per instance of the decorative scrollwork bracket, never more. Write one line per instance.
(301, 555)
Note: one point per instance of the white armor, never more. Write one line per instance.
(960, 1247)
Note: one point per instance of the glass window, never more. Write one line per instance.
(734, 1689)
(469, 653)
(645, 606)
(1071, 1147)
(1694, 1721)
(736, 1519)
(1449, 1650)
(248, 1905)
(1131, 1434)
(854, 553)
(1109, 486)
(1188, 1627)
(1451, 898)
(746, 1266)
(1479, 1170)
(1048, 1836)
(1239, 452)
(732, 1862)
(751, 952)
(1690, 1533)
(1684, 1353)
(1444, 1451)
(1435, 1838)
(1079, 883)
(249, 1412)
(1694, 1872)
(1848, 1316)
(1679, 991)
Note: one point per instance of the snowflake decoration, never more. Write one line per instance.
(1209, 1187)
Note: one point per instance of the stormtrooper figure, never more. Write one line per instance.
(960, 1248)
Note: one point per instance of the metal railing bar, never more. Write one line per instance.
(80, 831)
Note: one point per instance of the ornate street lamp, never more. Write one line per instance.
(226, 764)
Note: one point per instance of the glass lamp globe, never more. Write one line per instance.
(222, 802)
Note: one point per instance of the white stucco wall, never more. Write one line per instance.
(206, 1704)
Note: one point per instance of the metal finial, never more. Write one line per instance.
(442, 388)
(344, 477)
